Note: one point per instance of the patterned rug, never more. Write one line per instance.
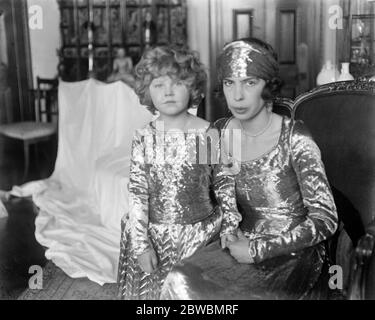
(58, 286)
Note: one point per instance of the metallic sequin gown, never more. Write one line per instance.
(287, 210)
(172, 207)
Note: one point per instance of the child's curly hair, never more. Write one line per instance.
(180, 64)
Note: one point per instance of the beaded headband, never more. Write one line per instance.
(243, 59)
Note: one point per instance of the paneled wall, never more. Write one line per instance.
(44, 41)
(16, 57)
(267, 24)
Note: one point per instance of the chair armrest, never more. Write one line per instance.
(362, 266)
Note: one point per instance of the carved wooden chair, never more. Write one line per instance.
(283, 106)
(45, 125)
(341, 118)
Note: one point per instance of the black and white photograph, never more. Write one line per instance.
(201, 151)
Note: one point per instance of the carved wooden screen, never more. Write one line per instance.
(116, 23)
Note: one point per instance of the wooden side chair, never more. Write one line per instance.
(340, 117)
(45, 125)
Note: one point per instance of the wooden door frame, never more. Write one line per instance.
(19, 57)
(236, 13)
(216, 42)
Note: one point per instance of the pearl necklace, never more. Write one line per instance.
(260, 132)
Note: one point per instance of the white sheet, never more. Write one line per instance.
(82, 203)
(3, 197)
(3, 210)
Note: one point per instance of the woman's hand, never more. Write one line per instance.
(148, 261)
(239, 249)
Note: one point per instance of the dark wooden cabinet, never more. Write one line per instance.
(130, 24)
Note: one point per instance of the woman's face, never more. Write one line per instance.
(243, 96)
(169, 96)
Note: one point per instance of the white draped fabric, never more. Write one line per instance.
(3, 210)
(83, 202)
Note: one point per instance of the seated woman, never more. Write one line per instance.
(277, 204)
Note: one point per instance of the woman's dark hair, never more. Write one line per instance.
(272, 87)
(177, 63)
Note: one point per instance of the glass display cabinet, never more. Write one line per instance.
(362, 45)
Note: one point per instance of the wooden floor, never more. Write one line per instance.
(18, 248)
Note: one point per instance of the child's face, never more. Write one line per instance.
(169, 96)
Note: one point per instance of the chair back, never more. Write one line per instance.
(341, 118)
(47, 99)
(283, 106)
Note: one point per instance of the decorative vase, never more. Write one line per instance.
(345, 74)
(328, 74)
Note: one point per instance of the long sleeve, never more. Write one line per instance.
(225, 188)
(321, 219)
(138, 196)
(225, 192)
(224, 184)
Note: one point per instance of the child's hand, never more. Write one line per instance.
(226, 239)
(148, 261)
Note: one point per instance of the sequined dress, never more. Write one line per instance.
(285, 208)
(172, 207)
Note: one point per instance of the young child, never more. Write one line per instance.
(172, 212)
